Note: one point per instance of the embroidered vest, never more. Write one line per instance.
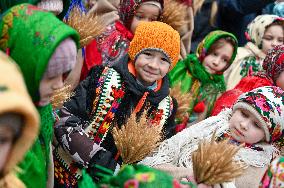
(109, 93)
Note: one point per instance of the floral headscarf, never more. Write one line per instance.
(127, 9)
(267, 105)
(273, 63)
(257, 27)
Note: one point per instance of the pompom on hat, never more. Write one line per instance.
(273, 63)
(267, 105)
(155, 36)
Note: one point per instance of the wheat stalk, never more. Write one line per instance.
(87, 25)
(213, 162)
(183, 100)
(174, 14)
(60, 96)
(136, 139)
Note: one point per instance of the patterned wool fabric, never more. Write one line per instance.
(148, 36)
(274, 176)
(143, 177)
(210, 39)
(267, 105)
(127, 9)
(257, 27)
(273, 63)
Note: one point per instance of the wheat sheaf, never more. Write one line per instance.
(213, 162)
(88, 25)
(137, 138)
(174, 14)
(183, 100)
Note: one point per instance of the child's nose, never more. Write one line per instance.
(154, 63)
(244, 125)
(216, 61)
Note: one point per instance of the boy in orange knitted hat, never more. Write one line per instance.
(109, 95)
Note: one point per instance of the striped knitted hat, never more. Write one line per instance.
(155, 36)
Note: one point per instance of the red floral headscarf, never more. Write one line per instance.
(127, 9)
(273, 63)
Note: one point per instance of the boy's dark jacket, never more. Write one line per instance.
(76, 113)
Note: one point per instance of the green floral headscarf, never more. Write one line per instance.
(210, 39)
(191, 69)
(30, 36)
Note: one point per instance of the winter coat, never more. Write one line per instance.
(84, 128)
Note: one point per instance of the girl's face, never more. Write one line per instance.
(151, 66)
(6, 143)
(145, 12)
(273, 35)
(280, 80)
(218, 59)
(47, 87)
(245, 128)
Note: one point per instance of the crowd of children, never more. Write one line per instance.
(236, 94)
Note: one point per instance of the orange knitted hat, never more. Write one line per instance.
(155, 36)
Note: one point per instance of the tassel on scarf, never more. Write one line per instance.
(141, 102)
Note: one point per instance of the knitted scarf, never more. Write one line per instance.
(36, 161)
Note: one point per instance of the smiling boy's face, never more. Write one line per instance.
(245, 127)
(151, 66)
